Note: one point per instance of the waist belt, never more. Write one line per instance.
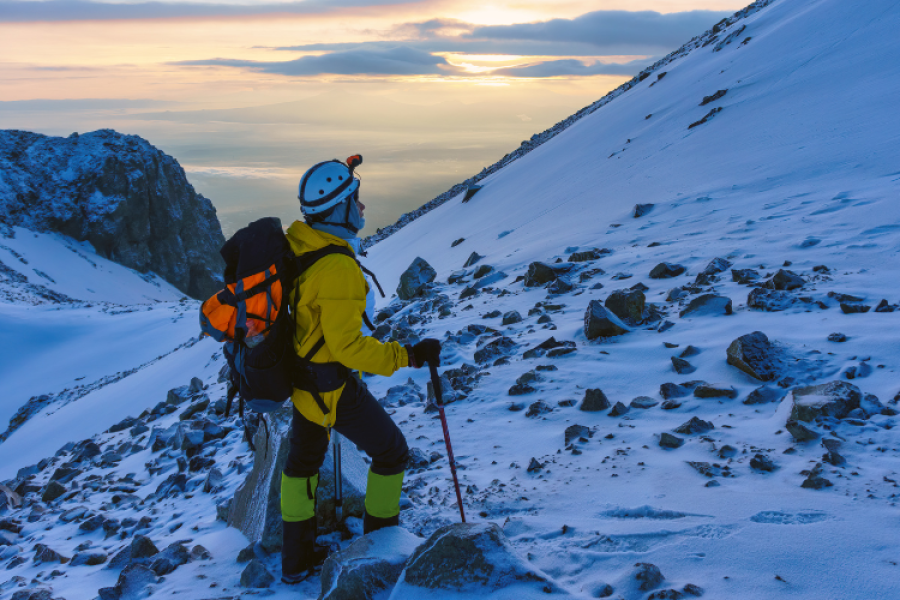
(318, 378)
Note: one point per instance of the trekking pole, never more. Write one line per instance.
(439, 399)
(338, 478)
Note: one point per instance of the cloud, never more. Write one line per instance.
(19, 11)
(612, 31)
(398, 60)
(572, 67)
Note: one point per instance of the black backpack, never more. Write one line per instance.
(252, 317)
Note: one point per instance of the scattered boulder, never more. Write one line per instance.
(800, 432)
(588, 255)
(785, 280)
(415, 278)
(473, 258)
(666, 270)
(469, 559)
(618, 410)
(761, 462)
(502, 346)
(695, 425)
(715, 390)
(132, 583)
(648, 575)
(667, 440)
(755, 355)
(170, 559)
(681, 366)
(764, 394)
(641, 209)
(539, 274)
(708, 304)
(770, 300)
(849, 309)
(52, 491)
(46, 554)
(600, 322)
(520, 389)
(628, 305)
(89, 558)
(594, 401)
(256, 576)
(178, 395)
(837, 337)
(511, 317)
(577, 433)
(744, 276)
(369, 567)
(538, 408)
(815, 480)
(834, 399)
(676, 294)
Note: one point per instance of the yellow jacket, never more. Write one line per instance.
(331, 303)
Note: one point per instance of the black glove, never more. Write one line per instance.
(426, 351)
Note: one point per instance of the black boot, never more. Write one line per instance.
(371, 523)
(299, 554)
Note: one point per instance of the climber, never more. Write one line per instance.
(330, 302)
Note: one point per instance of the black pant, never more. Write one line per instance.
(362, 421)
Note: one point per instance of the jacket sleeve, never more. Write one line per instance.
(342, 299)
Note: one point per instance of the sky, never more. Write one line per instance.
(247, 95)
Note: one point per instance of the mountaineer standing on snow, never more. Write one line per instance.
(330, 301)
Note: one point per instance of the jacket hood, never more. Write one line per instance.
(304, 238)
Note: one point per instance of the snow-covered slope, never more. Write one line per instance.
(796, 172)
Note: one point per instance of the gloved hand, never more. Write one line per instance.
(427, 351)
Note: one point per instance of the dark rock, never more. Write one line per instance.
(641, 209)
(587, 255)
(52, 491)
(200, 463)
(369, 567)
(815, 480)
(885, 307)
(689, 351)
(539, 274)
(594, 401)
(123, 196)
(600, 323)
(706, 117)
(835, 399)
(715, 390)
(618, 410)
(173, 485)
(770, 300)
(716, 266)
(800, 432)
(648, 575)
(538, 408)
(849, 309)
(213, 482)
(256, 576)
(764, 394)
(45, 554)
(502, 346)
(744, 276)
(32, 594)
(473, 258)
(492, 314)
(474, 558)
(708, 304)
(577, 432)
(89, 558)
(511, 317)
(785, 280)
(761, 462)
(643, 402)
(755, 355)
(194, 409)
(415, 278)
(520, 389)
(178, 395)
(483, 271)
(673, 390)
(170, 559)
(666, 271)
(727, 451)
(713, 97)
(667, 440)
(639, 286)
(681, 366)
(198, 552)
(457, 242)
(534, 465)
(695, 425)
(628, 305)
(837, 337)
(560, 286)
(122, 425)
(133, 582)
(675, 294)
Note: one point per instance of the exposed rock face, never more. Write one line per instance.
(834, 399)
(369, 566)
(469, 559)
(131, 201)
(628, 305)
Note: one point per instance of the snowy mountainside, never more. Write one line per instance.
(612, 409)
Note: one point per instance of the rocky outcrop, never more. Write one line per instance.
(369, 566)
(130, 200)
(835, 399)
(755, 355)
(256, 508)
(415, 278)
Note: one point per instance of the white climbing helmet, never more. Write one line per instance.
(327, 184)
